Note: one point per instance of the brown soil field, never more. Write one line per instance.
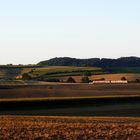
(69, 128)
(69, 90)
(129, 77)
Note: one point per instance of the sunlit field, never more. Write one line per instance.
(116, 76)
(69, 128)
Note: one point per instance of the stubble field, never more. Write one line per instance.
(67, 128)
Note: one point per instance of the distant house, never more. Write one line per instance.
(110, 82)
(119, 82)
(101, 82)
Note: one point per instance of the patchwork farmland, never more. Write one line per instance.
(42, 105)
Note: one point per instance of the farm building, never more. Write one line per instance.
(101, 82)
(110, 82)
(119, 82)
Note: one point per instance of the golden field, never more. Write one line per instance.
(128, 76)
(69, 128)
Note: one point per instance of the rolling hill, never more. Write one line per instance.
(96, 62)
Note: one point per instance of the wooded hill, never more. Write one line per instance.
(95, 62)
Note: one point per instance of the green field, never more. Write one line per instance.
(70, 69)
(123, 69)
(63, 71)
(2, 74)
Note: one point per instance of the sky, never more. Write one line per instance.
(36, 30)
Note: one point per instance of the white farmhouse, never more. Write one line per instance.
(110, 82)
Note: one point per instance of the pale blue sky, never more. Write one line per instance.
(34, 30)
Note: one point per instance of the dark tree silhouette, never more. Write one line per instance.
(123, 78)
(85, 79)
(71, 80)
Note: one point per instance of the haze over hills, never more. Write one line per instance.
(96, 62)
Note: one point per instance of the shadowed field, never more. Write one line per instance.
(82, 128)
(91, 106)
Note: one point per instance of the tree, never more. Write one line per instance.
(26, 76)
(137, 80)
(123, 78)
(71, 80)
(53, 80)
(85, 79)
(102, 79)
